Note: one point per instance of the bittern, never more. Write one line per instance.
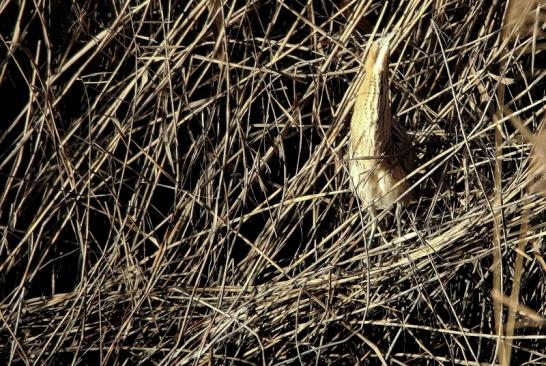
(375, 161)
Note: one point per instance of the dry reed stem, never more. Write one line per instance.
(173, 189)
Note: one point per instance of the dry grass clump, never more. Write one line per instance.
(175, 186)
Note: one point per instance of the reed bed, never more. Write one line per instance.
(174, 184)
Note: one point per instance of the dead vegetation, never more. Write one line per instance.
(174, 186)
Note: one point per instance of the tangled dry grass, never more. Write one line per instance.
(174, 185)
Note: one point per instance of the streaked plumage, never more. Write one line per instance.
(373, 162)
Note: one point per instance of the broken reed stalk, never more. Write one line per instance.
(374, 162)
